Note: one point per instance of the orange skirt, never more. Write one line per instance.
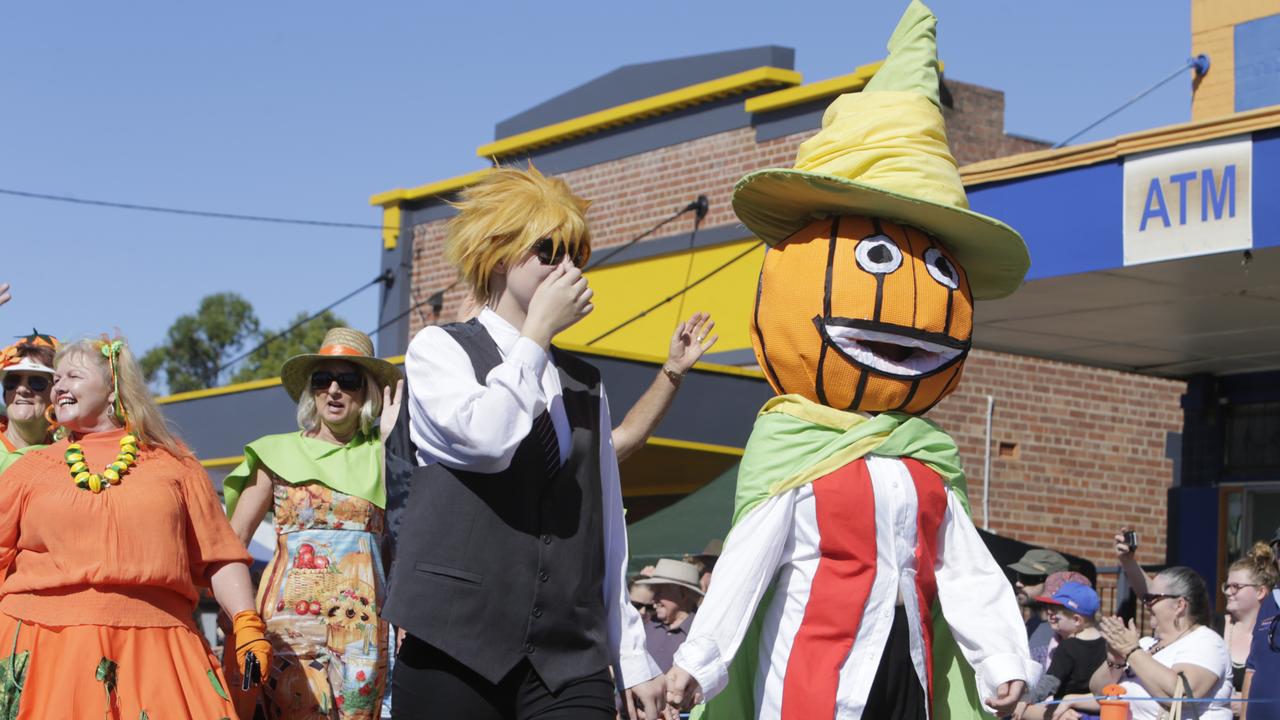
(116, 673)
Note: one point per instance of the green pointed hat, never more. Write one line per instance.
(883, 153)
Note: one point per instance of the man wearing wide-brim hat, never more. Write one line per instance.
(676, 592)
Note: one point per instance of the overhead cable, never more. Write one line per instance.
(188, 212)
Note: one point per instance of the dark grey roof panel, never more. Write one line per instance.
(633, 82)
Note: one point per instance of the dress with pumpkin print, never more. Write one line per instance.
(320, 596)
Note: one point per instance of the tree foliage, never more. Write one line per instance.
(265, 362)
(198, 348)
(197, 345)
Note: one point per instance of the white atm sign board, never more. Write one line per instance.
(1195, 200)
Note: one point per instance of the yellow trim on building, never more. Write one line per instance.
(220, 390)
(636, 110)
(390, 227)
(431, 189)
(855, 80)
(698, 446)
(222, 461)
(1047, 161)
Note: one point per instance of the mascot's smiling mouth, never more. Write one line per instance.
(891, 350)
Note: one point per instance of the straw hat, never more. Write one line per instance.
(674, 572)
(343, 344)
(883, 153)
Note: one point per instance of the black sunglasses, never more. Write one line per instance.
(550, 253)
(642, 607)
(37, 383)
(349, 381)
(1150, 599)
(1030, 580)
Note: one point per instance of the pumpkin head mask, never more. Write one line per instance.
(862, 314)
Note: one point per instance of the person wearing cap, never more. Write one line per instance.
(1031, 570)
(510, 570)
(1044, 653)
(26, 369)
(323, 591)
(676, 593)
(1081, 650)
(107, 537)
(853, 583)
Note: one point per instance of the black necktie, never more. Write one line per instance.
(544, 433)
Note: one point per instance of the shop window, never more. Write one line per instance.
(1253, 438)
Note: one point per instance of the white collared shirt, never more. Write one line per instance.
(460, 423)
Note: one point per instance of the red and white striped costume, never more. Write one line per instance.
(843, 549)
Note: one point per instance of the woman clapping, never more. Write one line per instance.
(104, 538)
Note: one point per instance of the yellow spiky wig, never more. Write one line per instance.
(501, 217)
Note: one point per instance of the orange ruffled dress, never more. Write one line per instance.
(98, 592)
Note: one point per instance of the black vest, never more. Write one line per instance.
(496, 568)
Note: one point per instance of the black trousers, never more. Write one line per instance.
(427, 683)
(896, 693)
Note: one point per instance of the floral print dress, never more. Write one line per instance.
(321, 596)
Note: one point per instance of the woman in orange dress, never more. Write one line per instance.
(105, 537)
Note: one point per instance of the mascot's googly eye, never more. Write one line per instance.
(941, 269)
(878, 255)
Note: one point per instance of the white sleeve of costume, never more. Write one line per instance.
(742, 576)
(460, 422)
(979, 605)
(631, 659)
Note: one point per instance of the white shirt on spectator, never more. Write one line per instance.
(460, 423)
(1201, 647)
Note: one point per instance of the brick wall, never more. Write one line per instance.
(631, 194)
(1084, 451)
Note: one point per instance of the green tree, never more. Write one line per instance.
(265, 361)
(196, 346)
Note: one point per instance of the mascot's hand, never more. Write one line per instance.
(248, 634)
(683, 691)
(1007, 697)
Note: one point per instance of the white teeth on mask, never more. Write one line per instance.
(926, 357)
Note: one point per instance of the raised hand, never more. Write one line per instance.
(690, 340)
(390, 409)
(4, 293)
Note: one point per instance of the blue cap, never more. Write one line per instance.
(1076, 597)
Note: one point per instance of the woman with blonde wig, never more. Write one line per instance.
(105, 538)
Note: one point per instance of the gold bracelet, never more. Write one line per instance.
(672, 375)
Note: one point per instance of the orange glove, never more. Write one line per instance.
(248, 631)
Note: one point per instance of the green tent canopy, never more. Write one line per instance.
(684, 527)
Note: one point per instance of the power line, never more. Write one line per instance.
(386, 277)
(699, 205)
(675, 295)
(191, 213)
(435, 299)
(1199, 62)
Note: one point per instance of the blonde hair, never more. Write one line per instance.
(142, 415)
(502, 216)
(1260, 562)
(309, 415)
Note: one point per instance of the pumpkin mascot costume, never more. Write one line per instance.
(853, 584)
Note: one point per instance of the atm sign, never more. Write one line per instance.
(1195, 200)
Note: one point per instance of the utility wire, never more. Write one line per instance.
(693, 236)
(676, 294)
(699, 205)
(1199, 62)
(192, 213)
(433, 298)
(386, 278)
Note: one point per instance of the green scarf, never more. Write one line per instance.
(354, 468)
(793, 443)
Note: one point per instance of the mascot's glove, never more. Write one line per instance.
(253, 652)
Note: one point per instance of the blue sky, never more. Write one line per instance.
(306, 109)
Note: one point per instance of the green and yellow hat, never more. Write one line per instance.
(883, 152)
